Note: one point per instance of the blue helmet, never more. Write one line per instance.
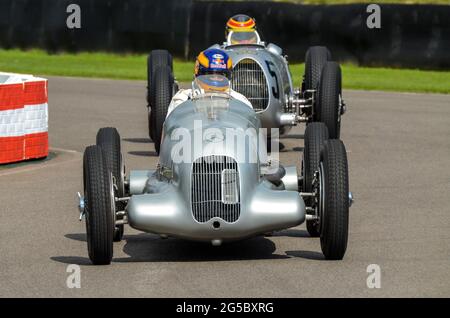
(213, 61)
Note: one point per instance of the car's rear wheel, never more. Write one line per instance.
(315, 136)
(162, 90)
(108, 139)
(99, 206)
(334, 199)
(155, 59)
(329, 96)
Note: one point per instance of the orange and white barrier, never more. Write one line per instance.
(23, 117)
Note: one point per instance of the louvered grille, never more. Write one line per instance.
(215, 189)
(249, 80)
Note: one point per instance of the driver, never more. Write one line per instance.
(210, 61)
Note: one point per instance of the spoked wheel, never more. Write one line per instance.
(333, 200)
(109, 140)
(315, 136)
(99, 206)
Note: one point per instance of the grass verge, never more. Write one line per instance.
(132, 66)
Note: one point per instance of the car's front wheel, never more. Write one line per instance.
(108, 139)
(99, 206)
(333, 199)
(315, 136)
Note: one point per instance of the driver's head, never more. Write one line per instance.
(213, 61)
(240, 22)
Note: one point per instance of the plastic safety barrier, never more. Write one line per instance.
(23, 117)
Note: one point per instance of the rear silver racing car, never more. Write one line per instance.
(261, 73)
(203, 189)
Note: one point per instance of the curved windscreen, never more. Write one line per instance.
(243, 37)
(210, 84)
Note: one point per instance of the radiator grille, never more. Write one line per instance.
(215, 189)
(249, 80)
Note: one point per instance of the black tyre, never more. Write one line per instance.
(109, 140)
(315, 59)
(98, 206)
(327, 106)
(315, 136)
(162, 90)
(335, 201)
(155, 59)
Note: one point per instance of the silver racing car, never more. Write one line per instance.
(215, 182)
(261, 73)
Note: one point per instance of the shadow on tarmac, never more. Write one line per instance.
(146, 247)
(143, 153)
(138, 140)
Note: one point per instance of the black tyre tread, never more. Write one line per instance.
(161, 97)
(315, 59)
(316, 134)
(108, 138)
(99, 217)
(334, 234)
(155, 59)
(327, 109)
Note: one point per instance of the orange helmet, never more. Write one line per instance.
(240, 22)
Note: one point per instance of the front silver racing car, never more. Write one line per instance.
(218, 192)
(214, 180)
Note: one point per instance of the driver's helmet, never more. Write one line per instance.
(240, 22)
(213, 61)
(241, 29)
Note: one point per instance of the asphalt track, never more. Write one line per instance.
(399, 157)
